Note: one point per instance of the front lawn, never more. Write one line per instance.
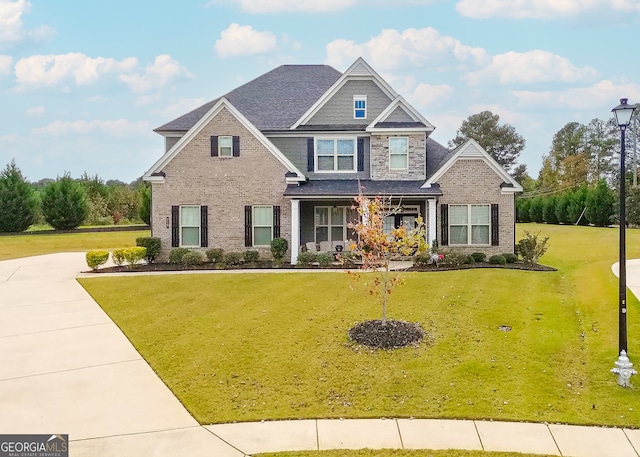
(242, 347)
(15, 246)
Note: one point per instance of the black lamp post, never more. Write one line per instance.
(623, 113)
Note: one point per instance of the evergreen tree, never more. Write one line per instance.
(577, 203)
(144, 210)
(601, 205)
(562, 207)
(17, 200)
(64, 203)
(535, 210)
(549, 210)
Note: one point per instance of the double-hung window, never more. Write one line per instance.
(336, 154)
(190, 226)
(225, 146)
(469, 224)
(359, 106)
(398, 153)
(262, 225)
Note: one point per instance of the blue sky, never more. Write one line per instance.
(84, 83)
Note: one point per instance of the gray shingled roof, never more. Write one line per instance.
(437, 155)
(349, 188)
(273, 101)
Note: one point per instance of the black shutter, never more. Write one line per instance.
(236, 146)
(310, 154)
(444, 224)
(175, 226)
(495, 228)
(248, 239)
(360, 154)
(214, 146)
(276, 221)
(204, 226)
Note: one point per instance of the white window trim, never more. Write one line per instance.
(406, 154)
(357, 98)
(220, 137)
(253, 225)
(469, 225)
(345, 223)
(191, 226)
(335, 153)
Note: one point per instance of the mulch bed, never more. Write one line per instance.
(508, 266)
(393, 335)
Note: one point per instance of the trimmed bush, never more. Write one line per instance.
(497, 259)
(347, 258)
(214, 255)
(96, 259)
(135, 254)
(118, 256)
(153, 246)
(306, 258)
(192, 258)
(279, 248)
(422, 260)
(479, 256)
(324, 259)
(453, 257)
(232, 259)
(510, 257)
(176, 254)
(470, 260)
(251, 256)
(530, 248)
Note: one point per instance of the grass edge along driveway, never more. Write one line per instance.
(248, 347)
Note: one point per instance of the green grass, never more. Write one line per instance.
(15, 246)
(243, 347)
(396, 453)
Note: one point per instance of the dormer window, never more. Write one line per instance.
(359, 106)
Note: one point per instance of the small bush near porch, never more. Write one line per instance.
(502, 344)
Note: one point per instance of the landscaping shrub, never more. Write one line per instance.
(118, 256)
(135, 254)
(232, 259)
(192, 258)
(562, 208)
(306, 258)
(522, 210)
(601, 207)
(64, 203)
(279, 248)
(96, 259)
(17, 200)
(510, 257)
(577, 204)
(153, 246)
(422, 260)
(347, 258)
(176, 254)
(497, 259)
(214, 255)
(324, 259)
(453, 257)
(470, 260)
(530, 248)
(144, 210)
(251, 256)
(549, 209)
(535, 209)
(479, 256)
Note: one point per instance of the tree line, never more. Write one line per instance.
(66, 203)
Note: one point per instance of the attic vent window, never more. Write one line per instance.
(359, 106)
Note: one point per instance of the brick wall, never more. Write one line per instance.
(226, 185)
(472, 181)
(380, 159)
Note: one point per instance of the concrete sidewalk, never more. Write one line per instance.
(67, 368)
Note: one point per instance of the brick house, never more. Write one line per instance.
(284, 155)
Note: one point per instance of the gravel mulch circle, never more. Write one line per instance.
(393, 335)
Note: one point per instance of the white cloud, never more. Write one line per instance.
(5, 64)
(542, 9)
(244, 40)
(117, 128)
(601, 94)
(530, 67)
(164, 70)
(35, 111)
(11, 27)
(427, 94)
(182, 106)
(412, 47)
(50, 70)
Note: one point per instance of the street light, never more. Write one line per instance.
(624, 368)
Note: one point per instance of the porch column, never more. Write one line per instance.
(431, 231)
(295, 230)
